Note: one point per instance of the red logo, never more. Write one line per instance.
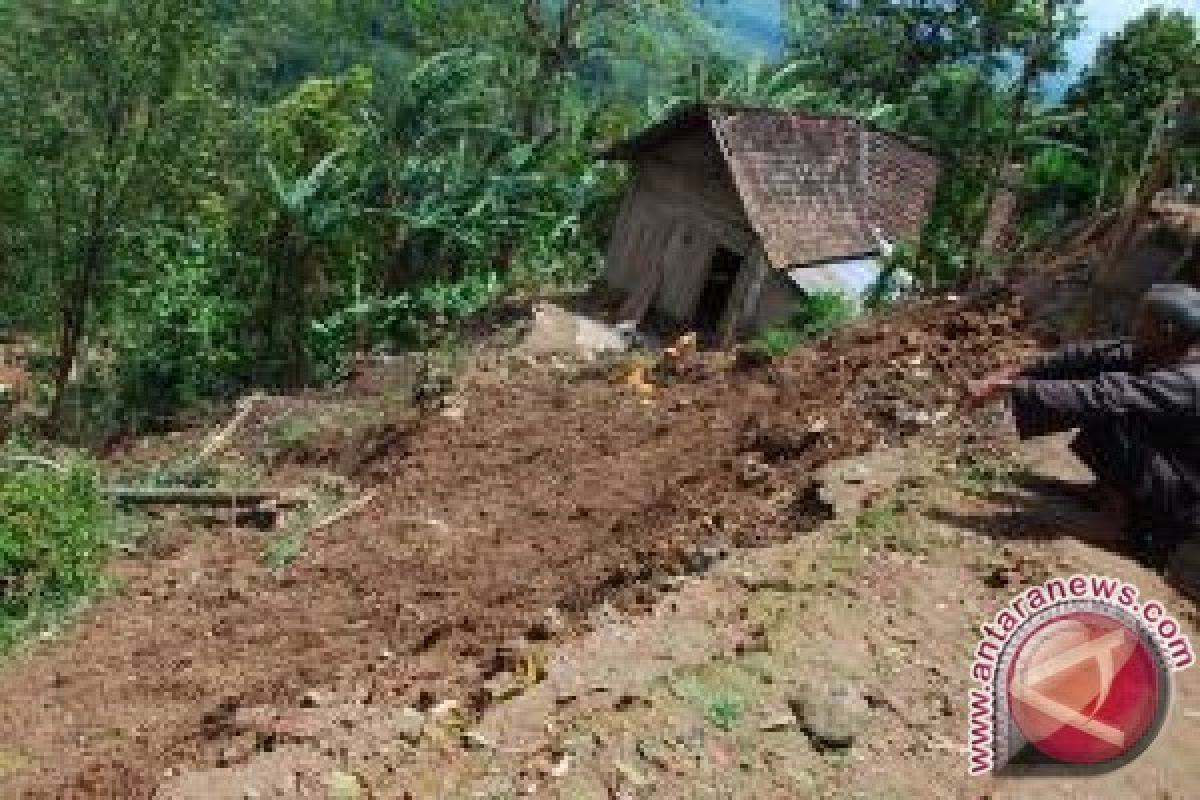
(1085, 688)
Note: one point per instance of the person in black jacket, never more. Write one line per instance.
(1136, 404)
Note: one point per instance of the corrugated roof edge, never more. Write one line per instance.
(689, 116)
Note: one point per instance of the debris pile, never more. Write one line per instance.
(557, 493)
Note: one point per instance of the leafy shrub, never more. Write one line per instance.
(817, 316)
(821, 313)
(895, 281)
(1059, 187)
(939, 262)
(725, 711)
(776, 342)
(54, 529)
(420, 318)
(174, 339)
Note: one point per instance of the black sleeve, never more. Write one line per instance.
(1049, 406)
(1084, 360)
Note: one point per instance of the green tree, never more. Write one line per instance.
(1121, 92)
(99, 106)
(312, 163)
(965, 75)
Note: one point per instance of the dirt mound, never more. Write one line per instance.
(550, 493)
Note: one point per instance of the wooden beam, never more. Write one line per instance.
(745, 295)
(216, 498)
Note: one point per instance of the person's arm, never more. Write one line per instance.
(1074, 362)
(1041, 407)
(1083, 360)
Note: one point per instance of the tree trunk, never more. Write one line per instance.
(68, 347)
(299, 371)
(1039, 51)
(76, 304)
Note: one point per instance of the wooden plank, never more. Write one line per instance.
(639, 299)
(744, 297)
(186, 496)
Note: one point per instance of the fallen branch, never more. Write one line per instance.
(345, 512)
(218, 441)
(36, 461)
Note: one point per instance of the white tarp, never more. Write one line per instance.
(854, 277)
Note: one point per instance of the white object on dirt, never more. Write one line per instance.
(560, 769)
(409, 725)
(556, 330)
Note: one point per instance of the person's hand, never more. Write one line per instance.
(982, 392)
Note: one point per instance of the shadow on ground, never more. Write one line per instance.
(1038, 507)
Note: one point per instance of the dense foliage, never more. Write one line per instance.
(54, 528)
(201, 197)
(1117, 99)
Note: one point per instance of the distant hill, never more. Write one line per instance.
(750, 24)
(757, 26)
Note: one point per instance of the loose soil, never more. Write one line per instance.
(553, 494)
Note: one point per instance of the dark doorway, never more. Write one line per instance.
(714, 298)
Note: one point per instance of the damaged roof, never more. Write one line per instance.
(814, 188)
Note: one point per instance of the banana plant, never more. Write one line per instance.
(315, 200)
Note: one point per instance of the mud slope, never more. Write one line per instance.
(552, 492)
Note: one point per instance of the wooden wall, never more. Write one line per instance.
(776, 303)
(680, 208)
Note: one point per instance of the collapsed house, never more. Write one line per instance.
(733, 214)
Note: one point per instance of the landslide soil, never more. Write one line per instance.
(554, 491)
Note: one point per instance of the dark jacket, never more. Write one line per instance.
(1102, 383)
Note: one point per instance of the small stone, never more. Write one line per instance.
(344, 786)
(228, 756)
(654, 752)
(551, 624)
(751, 471)
(474, 740)
(251, 794)
(917, 418)
(832, 714)
(503, 686)
(560, 769)
(314, 698)
(856, 474)
(778, 721)
(670, 583)
(629, 701)
(700, 561)
(631, 775)
(409, 725)
(753, 582)
(445, 709)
